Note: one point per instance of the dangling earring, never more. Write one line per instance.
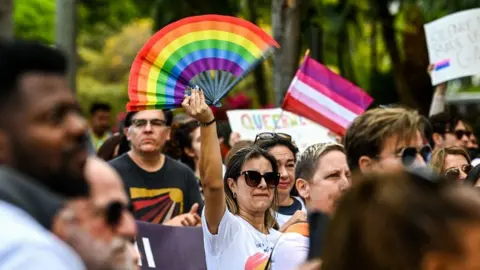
(234, 196)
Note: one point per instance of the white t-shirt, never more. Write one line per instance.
(298, 204)
(237, 245)
(292, 248)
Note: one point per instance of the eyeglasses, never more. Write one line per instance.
(271, 135)
(141, 123)
(454, 173)
(409, 154)
(460, 133)
(254, 178)
(113, 213)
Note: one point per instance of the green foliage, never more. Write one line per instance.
(168, 11)
(34, 19)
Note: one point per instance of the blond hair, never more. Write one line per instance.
(307, 162)
(437, 162)
(368, 132)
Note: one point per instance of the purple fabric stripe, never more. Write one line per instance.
(335, 83)
(200, 66)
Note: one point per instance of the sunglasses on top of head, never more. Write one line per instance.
(409, 154)
(454, 173)
(254, 178)
(271, 135)
(113, 213)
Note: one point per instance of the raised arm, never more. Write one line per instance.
(438, 100)
(211, 175)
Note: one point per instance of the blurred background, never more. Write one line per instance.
(377, 44)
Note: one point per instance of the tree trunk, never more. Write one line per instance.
(66, 35)
(388, 33)
(6, 19)
(286, 31)
(416, 59)
(258, 73)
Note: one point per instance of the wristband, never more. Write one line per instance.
(207, 124)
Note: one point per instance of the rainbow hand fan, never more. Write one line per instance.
(212, 52)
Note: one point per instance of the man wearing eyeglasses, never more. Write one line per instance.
(386, 139)
(449, 131)
(100, 228)
(162, 190)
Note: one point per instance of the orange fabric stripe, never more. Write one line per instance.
(301, 228)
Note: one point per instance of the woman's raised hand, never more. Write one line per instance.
(196, 107)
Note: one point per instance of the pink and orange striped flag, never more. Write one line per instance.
(324, 97)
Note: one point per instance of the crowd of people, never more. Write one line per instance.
(397, 192)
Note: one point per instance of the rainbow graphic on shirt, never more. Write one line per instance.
(257, 262)
(442, 64)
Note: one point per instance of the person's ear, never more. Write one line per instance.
(129, 133)
(169, 132)
(189, 152)
(303, 188)
(232, 185)
(437, 139)
(365, 164)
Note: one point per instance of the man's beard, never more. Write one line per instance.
(62, 181)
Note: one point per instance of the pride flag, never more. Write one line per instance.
(324, 97)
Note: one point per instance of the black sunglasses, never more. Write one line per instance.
(454, 173)
(271, 135)
(254, 178)
(460, 133)
(113, 213)
(409, 154)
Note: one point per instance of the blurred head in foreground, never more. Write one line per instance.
(42, 131)
(102, 229)
(405, 221)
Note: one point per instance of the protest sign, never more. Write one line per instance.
(168, 247)
(454, 45)
(303, 131)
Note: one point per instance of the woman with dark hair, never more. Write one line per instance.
(117, 144)
(238, 218)
(291, 207)
(404, 221)
(184, 144)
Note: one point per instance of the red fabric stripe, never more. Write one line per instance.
(292, 105)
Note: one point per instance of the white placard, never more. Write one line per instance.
(248, 123)
(453, 44)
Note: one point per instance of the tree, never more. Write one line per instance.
(6, 21)
(66, 35)
(286, 16)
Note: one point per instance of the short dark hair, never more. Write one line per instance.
(278, 141)
(168, 117)
(99, 106)
(444, 122)
(18, 57)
